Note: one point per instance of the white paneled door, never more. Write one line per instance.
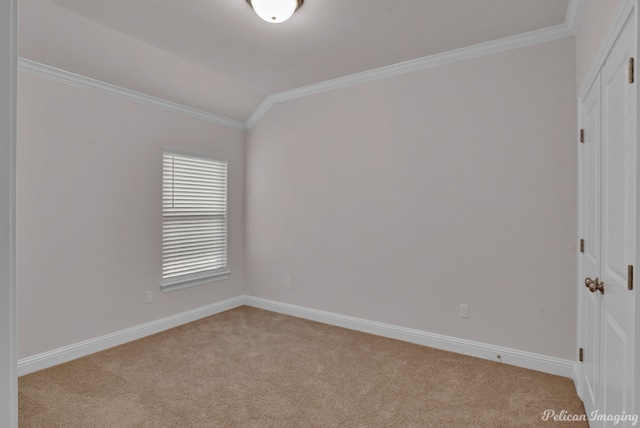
(608, 195)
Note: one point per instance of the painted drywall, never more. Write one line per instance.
(398, 200)
(55, 36)
(89, 212)
(596, 21)
(8, 69)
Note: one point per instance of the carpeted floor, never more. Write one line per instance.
(252, 368)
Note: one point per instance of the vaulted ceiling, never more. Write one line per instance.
(219, 57)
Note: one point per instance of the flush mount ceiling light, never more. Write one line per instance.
(275, 11)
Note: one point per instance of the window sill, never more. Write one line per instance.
(180, 283)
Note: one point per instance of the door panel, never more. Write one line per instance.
(618, 159)
(618, 224)
(614, 353)
(591, 179)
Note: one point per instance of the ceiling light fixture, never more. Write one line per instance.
(275, 11)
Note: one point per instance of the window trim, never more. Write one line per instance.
(193, 280)
(200, 278)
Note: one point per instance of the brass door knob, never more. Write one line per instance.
(594, 285)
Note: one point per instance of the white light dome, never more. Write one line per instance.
(274, 11)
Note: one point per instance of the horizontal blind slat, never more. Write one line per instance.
(181, 248)
(196, 261)
(181, 258)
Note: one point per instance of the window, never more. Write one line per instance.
(194, 220)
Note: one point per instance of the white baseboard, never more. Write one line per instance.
(81, 349)
(528, 360)
(514, 357)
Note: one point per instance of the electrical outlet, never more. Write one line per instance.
(287, 283)
(148, 297)
(464, 311)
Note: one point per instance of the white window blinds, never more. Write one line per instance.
(194, 219)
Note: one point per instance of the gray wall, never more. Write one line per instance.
(89, 212)
(397, 200)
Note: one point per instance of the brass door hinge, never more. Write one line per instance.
(631, 70)
(582, 135)
(582, 245)
(581, 355)
(630, 278)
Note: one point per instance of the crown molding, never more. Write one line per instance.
(574, 12)
(567, 29)
(542, 35)
(77, 80)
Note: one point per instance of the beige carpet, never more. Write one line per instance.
(253, 368)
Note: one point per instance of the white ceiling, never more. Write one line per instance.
(218, 56)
